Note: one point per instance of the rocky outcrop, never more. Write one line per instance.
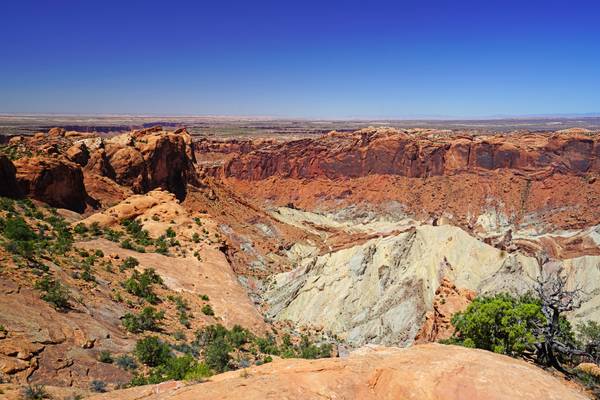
(146, 160)
(55, 181)
(78, 153)
(391, 152)
(384, 290)
(8, 180)
(448, 301)
(423, 372)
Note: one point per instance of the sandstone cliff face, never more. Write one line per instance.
(384, 290)
(371, 151)
(55, 181)
(146, 160)
(424, 372)
(8, 180)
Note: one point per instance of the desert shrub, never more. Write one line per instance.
(151, 351)
(216, 354)
(196, 237)
(126, 244)
(53, 292)
(95, 229)
(80, 229)
(197, 372)
(148, 320)
(105, 357)
(140, 285)
(170, 233)
(161, 246)
(238, 336)
(112, 235)
(588, 335)
(182, 310)
(98, 386)
(267, 345)
(204, 297)
(207, 310)
(126, 362)
(128, 263)
(35, 392)
(87, 274)
(17, 229)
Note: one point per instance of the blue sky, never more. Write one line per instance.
(301, 58)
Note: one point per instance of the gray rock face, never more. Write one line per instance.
(379, 292)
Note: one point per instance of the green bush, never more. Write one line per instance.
(207, 310)
(588, 335)
(170, 233)
(501, 323)
(17, 229)
(140, 285)
(148, 320)
(151, 351)
(54, 293)
(128, 263)
(217, 354)
(105, 357)
(80, 229)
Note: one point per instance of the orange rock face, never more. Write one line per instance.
(371, 151)
(146, 160)
(448, 300)
(544, 182)
(423, 372)
(55, 181)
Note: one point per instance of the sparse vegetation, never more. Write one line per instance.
(105, 357)
(151, 351)
(140, 285)
(208, 310)
(126, 362)
(35, 392)
(98, 386)
(148, 320)
(53, 292)
(129, 263)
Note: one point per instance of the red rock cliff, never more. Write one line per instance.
(391, 152)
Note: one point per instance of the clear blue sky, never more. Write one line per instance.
(301, 58)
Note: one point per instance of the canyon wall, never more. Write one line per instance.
(391, 152)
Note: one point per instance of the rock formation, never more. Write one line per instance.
(422, 372)
(384, 290)
(390, 152)
(55, 181)
(146, 160)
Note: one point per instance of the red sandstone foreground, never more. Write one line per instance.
(424, 372)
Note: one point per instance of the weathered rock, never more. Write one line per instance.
(381, 291)
(376, 151)
(421, 372)
(448, 300)
(78, 153)
(55, 181)
(148, 159)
